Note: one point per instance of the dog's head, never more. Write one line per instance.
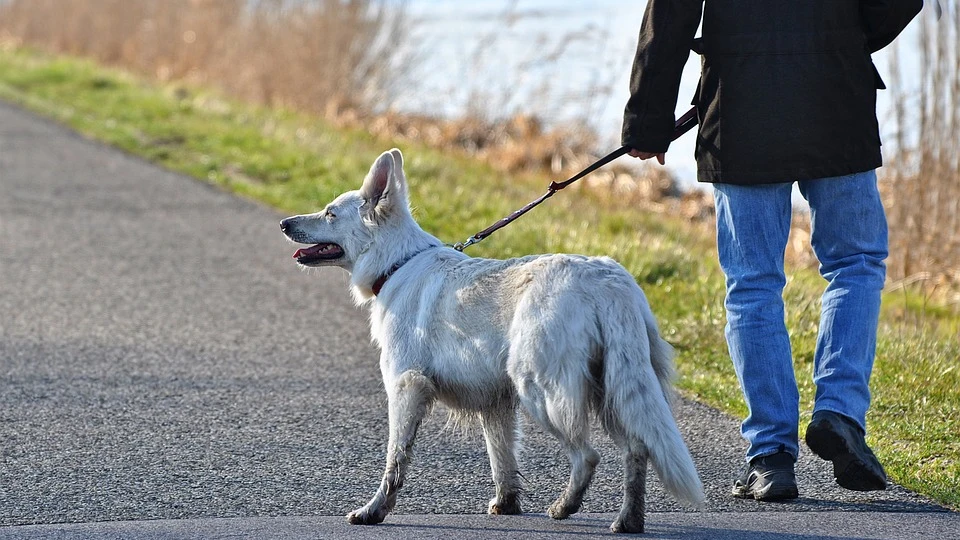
(346, 228)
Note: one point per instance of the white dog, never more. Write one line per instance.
(563, 335)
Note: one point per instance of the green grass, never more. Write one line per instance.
(296, 163)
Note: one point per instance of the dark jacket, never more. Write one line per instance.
(787, 89)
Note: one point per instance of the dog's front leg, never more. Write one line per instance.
(500, 432)
(409, 400)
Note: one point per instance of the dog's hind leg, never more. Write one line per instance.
(500, 432)
(631, 517)
(583, 462)
(563, 417)
(409, 400)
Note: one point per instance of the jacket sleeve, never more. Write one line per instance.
(883, 20)
(666, 36)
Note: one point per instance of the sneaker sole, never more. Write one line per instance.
(769, 494)
(775, 487)
(850, 471)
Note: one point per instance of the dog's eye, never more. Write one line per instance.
(330, 215)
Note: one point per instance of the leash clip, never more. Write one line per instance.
(460, 246)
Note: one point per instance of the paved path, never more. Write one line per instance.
(161, 358)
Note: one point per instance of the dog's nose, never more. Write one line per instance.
(285, 224)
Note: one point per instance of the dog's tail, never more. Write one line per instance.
(637, 394)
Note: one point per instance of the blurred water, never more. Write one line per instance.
(562, 61)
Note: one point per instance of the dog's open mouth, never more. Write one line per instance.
(318, 254)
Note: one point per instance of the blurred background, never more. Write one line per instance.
(529, 85)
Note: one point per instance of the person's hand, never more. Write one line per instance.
(661, 156)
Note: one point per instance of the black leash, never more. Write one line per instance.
(683, 125)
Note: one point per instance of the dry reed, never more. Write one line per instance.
(922, 183)
(318, 56)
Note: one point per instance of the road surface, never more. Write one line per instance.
(162, 358)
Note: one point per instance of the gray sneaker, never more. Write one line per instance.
(768, 478)
(839, 439)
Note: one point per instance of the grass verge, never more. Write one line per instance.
(296, 163)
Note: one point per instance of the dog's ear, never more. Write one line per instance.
(397, 158)
(378, 183)
(398, 173)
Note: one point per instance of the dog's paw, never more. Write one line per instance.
(560, 509)
(628, 525)
(508, 506)
(366, 516)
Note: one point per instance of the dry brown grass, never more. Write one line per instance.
(922, 187)
(318, 56)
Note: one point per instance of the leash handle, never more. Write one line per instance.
(682, 125)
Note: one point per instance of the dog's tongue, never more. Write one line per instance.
(310, 251)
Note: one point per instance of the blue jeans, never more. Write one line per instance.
(849, 238)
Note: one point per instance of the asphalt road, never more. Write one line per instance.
(162, 358)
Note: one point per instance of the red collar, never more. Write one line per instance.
(379, 283)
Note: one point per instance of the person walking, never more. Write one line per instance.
(787, 94)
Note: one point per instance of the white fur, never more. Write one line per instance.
(566, 336)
